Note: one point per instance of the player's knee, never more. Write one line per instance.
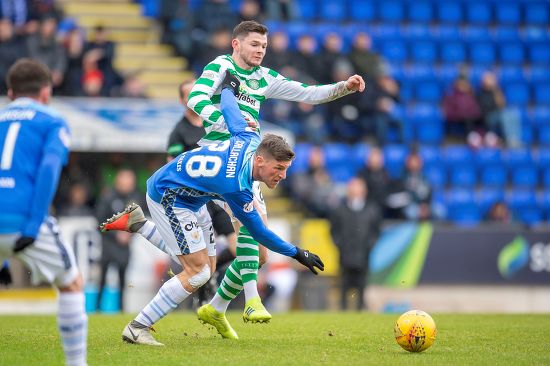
(200, 278)
(76, 286)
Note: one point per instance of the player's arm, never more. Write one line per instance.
(241, 204)
(287, 89)
(229, 107)
(54, 157)
(205, 86)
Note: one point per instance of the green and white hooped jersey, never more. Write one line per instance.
(257, 85)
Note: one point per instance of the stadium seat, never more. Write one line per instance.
(505, 34)
(360, 153)
(391, 11)
(456, 155)
(517, 94)
(543, 202)
(510, 74)
(543, 158)
(333, 10)
(423, 51)
(428, 91)
(463, 175)
(416, 32)
(539, 53)
(478, 12)
(396, 51)
(486, 197)
(524, 176)
(494, 175)
(427, 123)
(449, 12)
(435, 174)
(511, 53)
(488, 156)
(394, 157)
(544, 134)
(508, 13)
(461, 207)
(523, 203)
(545, 179)
(301, 161)
(446, 33)
(482, 53)
(516, 157)
(453, 52)
(338, 163)
(476, 34)
(537, 13)
(420, 11)
(308, 9)
(361, 10)
(418, 72)
(429, 154)
(447, 74)
(542, 93)
(538, 74)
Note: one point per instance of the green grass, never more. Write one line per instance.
(290, 339)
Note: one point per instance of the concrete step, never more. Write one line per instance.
(143, 63)
(143, 50)
(153, 77)
(162, 92)
(139, 36)
(105, 8)
(113, 22)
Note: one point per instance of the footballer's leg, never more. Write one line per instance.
(180, 230)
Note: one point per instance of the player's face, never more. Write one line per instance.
(271, 171)
(251, 49)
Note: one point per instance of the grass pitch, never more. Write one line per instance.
(290, 339)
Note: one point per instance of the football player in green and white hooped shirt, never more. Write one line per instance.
(257, 84)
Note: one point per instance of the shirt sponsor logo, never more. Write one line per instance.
(231, 168)
(7, 182)
(247, 99)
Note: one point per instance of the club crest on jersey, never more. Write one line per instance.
(253, 84)
(248, 207)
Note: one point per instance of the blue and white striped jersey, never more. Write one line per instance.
(222, 171)
(34, 145)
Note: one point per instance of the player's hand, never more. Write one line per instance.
(309, 260)
(230, 81)
(5, 276)
(22, 243)
(251, 123)
(355, 83)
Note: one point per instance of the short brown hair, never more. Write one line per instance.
(27, 77)
(276, 147)
(248, 26)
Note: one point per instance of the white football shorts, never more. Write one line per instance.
(183, 230)
(49, 258)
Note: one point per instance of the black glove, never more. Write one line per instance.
(230, 81)
(22, 243)
(5, 276)
(310, 260)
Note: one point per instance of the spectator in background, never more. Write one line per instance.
(178, 30)
(461, 110)
(314, 188)
(355, 227)
(102, 50)
(132, 87)
(75, 44)
(12, 48)
(418, 189)
(306, 59)
(219, 43)
(167, 13)
(499, 213)
(367, 63)
(215, 14)
(279, 56)
(77, 203)
(17, 11)
(497, 118)
(284, 10)
(45, 48)
(92, 77)
(331, 53)
(377, 108)
(116, 244)
(375, 177)
(39, 9)
(250, 10)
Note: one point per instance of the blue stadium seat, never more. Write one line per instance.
(538, 74)
(446, 33)
(333, 10)
(478, 12)
(301, 161)
(429, 154)
(543, 202)
(537, 13)
(524, 176)
(542, 93)
(308, 9)
(360, 153)
(396, 51)
(435, 174)
(543, 158)
(519, 156)
(361, 10)
(482, 53)
(391, 11)
(523, 203)
(545, 179)
(338, 163)
(446, 73)
(486, 197)
(506, 34)
(456, 155)
(418, 72)
(423, 51)
(416, 32)
(517, 93)
(295, 30)
(539, 115)
(488, 156)
(511, 53)
(510, 74)
(449, 12)
(461, 207)
(539, 53)
(394, 157)
(544, 134)
(420, 11)
(476, 34)
(453, 52)
(464, 176)
(508, 13)
(235, 5)
(428, 91)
